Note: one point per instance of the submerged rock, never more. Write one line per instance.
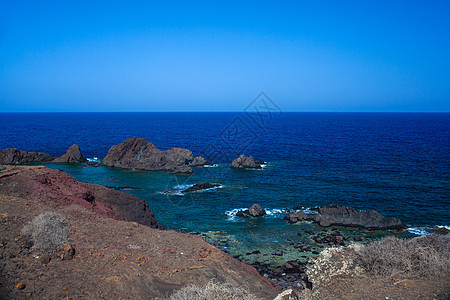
(137, 153)
(243, 162)
(73, 155)
(200, 187)
(13, 156)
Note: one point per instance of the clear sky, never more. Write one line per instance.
(218, 55)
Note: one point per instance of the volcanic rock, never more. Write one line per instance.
(243, 162)
(12, 156)
(61, 188)
(73, 155)
(200, 187)
(348, 216)
(200, 162)
(137, 153)
(256, 211)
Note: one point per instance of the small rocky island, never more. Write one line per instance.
(254, 211)
(137, 153)
(244, 162)
(347, 216)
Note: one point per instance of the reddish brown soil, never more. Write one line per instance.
(114, 259)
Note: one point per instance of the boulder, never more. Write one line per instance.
(73, 155)
(256, 211)
(200, 162)
(243, 162)
(137, 153)
(200, 187)
(13, 156)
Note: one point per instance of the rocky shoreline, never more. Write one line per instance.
(115, 244)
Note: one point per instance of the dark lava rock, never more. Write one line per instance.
(256, 211)
(200, 187)
(137, 153)
(348, 216)
(243, 162)
(12, 156)
(73, 155)
(200, 162)
(243, 214)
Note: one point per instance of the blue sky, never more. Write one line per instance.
(217, 56)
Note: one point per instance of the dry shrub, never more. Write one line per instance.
(212, 291)
(49, 231)
(418, 257)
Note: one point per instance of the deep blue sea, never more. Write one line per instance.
(395, 163)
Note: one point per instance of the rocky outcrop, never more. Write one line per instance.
(243, 162)
(12, 156)
(200, 187)
(347, 216)
(200, 162)
(62, 189)
(137, 153)
(254, 211)
(73, 155)
(113, 258)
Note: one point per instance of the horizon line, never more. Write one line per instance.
(218, 111)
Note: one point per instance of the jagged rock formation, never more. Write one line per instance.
(137, 153)
(13, 156)
(347, 216)
(73, 155)
(243, 162)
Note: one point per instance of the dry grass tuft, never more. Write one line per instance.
(49, 231)
(418, 257)
(212, 291)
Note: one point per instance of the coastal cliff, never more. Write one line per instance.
(113, 257)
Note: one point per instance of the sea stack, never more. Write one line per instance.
(137, 153)
(73, 155)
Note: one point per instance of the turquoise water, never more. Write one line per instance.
(397, 164)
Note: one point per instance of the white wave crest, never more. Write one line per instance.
(94, 159)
